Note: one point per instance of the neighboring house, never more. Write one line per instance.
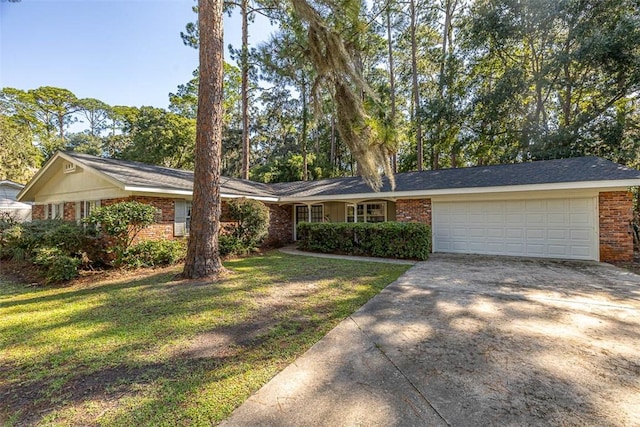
(578, 208)
(8, 202)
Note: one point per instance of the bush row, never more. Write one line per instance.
(60, 248)
(57, 248)
(386, 239)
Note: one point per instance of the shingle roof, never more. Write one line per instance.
(577, 169)
(137, 174)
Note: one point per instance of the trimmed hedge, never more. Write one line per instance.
(155, 253)
(402, 240)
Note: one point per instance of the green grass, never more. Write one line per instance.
(155, 351)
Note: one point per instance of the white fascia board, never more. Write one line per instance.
(158, 190)
(609, 184)
(261, 198)
(37, 176)
(174, 192)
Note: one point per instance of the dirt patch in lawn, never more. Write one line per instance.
(143, 347)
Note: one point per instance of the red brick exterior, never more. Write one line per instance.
(616, 214)
(37, 212)
(280, 225)
(163, 228)
(69, 211)
(414, 210)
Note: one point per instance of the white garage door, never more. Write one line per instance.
(550, 228)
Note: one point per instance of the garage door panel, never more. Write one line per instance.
(535, 205)
(535, 233)
(535, 218)
(554, 228)
(555, 233)
(580, 218)
(459, 233)
(580, 251)
(580, 235)
(513, 218)
(514, 233)
(497, 247)
(557, 218)
(558, 251)
(477, 232)
(495, 233)
(513, 248)
(557, 205)
(459, 246)
(458, 218)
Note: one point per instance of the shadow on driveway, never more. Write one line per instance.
(472, 340)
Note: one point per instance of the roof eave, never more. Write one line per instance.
(623, 183)
(180, 192)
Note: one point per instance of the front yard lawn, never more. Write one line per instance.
(148, 349)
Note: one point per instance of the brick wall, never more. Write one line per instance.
(414, 210)
(37, 212)
(280, 225)
(69, 211)
(163, 228)
(616, 213)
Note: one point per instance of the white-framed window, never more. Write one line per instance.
(54, 211)
(84, 209)
(90, 206)
(367, 212)
(182, 217)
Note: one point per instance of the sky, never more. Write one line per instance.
(122, 52)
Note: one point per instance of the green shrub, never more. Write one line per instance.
(387, 239)
(57, 266)
(56, 247)
(122, 222)
(250, 229)
(155, 253)
(228, 244)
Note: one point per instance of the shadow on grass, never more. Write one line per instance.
(168, 340)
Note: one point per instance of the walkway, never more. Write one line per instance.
(291, 250)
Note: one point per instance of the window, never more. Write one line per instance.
(302, 213)
(182, 217)
(90, 206)
(54, 211)
(187, 217)
(84, 209)
(367, 212)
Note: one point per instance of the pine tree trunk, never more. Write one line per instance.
(203, 259)
(305, 120)
(392, 87)
(416, 88)
(246, 148)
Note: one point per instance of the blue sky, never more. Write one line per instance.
(123, 52)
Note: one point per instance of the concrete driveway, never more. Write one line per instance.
(472, 341)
